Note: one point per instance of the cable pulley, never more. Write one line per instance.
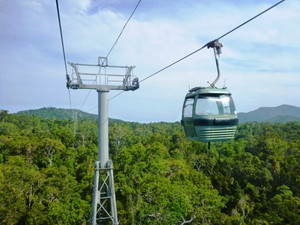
(215, 44)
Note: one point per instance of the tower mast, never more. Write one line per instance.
(97, 77)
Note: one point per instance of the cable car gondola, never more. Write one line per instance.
(209, 113)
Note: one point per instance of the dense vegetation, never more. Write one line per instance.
(46, 173)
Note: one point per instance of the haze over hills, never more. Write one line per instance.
(282, 113)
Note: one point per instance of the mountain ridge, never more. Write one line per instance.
(58, 113)
(279, 114)
(63, 114)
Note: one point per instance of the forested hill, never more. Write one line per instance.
(58, 113)
(282, 113)
(62, 114)
(161, 178)
(279, 114)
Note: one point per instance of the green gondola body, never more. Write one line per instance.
(209, 115)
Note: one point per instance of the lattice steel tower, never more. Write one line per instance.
(103, 78)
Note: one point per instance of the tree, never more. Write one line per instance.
(20, 185)
(283, 208)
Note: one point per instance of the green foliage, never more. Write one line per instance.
(46, 173)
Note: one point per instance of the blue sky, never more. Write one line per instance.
(259, 64)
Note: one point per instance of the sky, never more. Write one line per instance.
(259, 62)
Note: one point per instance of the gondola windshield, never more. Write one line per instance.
(215, 105)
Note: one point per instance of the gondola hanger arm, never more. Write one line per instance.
(216, 45)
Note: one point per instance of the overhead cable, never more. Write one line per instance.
(250, 19)
(123, 28)
(61, 37)
(192, 53)
(206, 45)
(114, 45)
(153, 74)
(63, 49)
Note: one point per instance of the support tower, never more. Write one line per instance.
(103, 78)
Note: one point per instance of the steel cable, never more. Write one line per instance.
(192, 53)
